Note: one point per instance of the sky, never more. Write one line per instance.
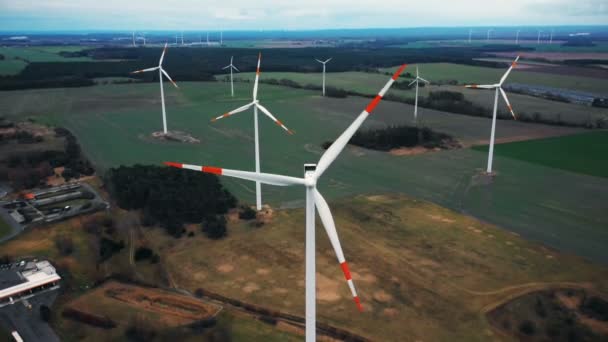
(42, 15)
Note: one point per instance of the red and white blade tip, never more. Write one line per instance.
(399, 71)
(349, 279)
(172, 164)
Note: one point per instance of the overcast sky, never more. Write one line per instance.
(294, 14)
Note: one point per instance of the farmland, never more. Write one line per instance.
(422, 271)
(523, 198)
(15, 59)
(582, 153)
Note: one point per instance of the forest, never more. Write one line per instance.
(391, 137)
(200, 64)
(171, 197)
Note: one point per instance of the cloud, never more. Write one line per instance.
(298, 14)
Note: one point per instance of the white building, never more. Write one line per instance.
(25, 279)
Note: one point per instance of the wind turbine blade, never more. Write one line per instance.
(414, 81)
(257, 77)
(235, 69)
(504, 96)
(327, 61)
(513, 65)
(278, 122)
(266, 178)
(144, 70)
(480, 86)
(423, 80)
(238, 110)
(330, 228)
(226, 67)
(319, 61)
(334, 150)
(162, 55)
(169, 77)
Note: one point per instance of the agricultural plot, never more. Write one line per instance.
(16, 58)
(366, 83)
(524, 43)
(524, 198)
(582, 153)
(421, 271)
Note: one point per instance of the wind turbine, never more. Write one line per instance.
(538, 39)
(498, 88)
(551, 37)
(232, 67)
(221, 38)
(488, 37)
(161, 72)
(207, 38)
(133, 38)
(470, 34)
(417, 80)
(324, 63)
(517, 37)
(312, 172)
(256, 105)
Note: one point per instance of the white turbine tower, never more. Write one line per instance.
(488, 35)
(182, 37)
(470, 34)
(417, 80)
(517, 37)
(133, 38)
(221, 38)
(256, 105)
(538, 38)
(232, 67)
(498, 88)
(324, 63)
(161, 72)
(207, 38)
(314, 199)
(551, 38)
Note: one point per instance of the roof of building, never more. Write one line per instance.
(24, 276)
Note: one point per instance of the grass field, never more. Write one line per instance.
(582, 153)
(16, 58)
(523, 198)
(422, 271)
(366, 83)
(544, 47)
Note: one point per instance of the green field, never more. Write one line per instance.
(366, 83)
(113, 124)
(583, 153)
(16, 58)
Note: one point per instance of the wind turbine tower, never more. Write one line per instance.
(497, 89)
(232, 67)
(417, 80)
(517, 37)
(161, 72)
(324, 64)
(470, 34)
(314, 199)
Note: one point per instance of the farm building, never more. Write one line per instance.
(24, 279)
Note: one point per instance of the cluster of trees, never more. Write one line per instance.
(171, 197)
(30, 169)
(388, 138)
(22, 137)
(145, 253)
(87, 318)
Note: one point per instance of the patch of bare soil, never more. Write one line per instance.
(265, 215)
(176, 136)
(250, 287)
(382, 296)
(390, 312)
(173, 308)
(327, 289)
(411, 151)
(225, 268)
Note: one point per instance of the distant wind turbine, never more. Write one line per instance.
(498, 89)
(551, 37)
(517, 37)
(256, 105)
(314, 199)
(417, 80)
(232, 67)
(538, 38)
(488, 37)
(470, 34)
(161, 72)
(133, 38)
(324, 63)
